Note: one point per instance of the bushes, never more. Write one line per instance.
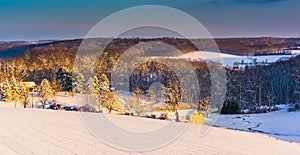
(294, 107)
(230, 108)
(297, 106)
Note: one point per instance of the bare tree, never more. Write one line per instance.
(111, 105)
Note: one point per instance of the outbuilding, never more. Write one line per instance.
(191, 116)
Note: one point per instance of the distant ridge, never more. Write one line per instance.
(235, 46)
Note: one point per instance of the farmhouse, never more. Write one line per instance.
(30, 85)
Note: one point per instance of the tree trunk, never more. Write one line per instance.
(206, 112)
(177, 116)
(43, 103)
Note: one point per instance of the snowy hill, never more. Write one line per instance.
(280, 124)
(229, 60)
(33, 131)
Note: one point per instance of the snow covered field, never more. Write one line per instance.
(38, 131)
(280, 124)
(229, 59)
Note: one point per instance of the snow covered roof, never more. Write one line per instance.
(186, 112)
(88, 105)
(30, 84)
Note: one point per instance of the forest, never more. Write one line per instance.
(248, 88)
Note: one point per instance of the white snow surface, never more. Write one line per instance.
(228, 60)
(279, 124)
(39, 131)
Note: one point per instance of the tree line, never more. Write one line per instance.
(256, 86)
(248, 88)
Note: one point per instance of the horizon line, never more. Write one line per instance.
(141, 37)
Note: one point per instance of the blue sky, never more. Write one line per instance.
(61, 19)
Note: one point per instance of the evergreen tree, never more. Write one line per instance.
(45, 91)
(6, 92)
(15, 90)
(230, 108)
(137, 104)
(24, 94)
(101, 88)
(78, 81)
(90, 86)
(89, 91)
(172, 94)
(64, 77)
(204, 105)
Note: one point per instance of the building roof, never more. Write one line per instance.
(30, 84)
(186, 112)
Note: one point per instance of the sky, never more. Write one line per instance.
(64, 19)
